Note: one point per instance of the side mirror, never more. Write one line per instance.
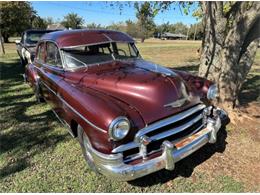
(17, 41)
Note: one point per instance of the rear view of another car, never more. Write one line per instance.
(27, 46)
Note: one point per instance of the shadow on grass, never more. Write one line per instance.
(189, 68)
(22, 136)
(186, 166)
(250, 90)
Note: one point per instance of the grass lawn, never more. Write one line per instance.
(37, 154)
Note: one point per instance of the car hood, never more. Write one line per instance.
(149, 88)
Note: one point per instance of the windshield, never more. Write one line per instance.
(33, 37)
(96, 54)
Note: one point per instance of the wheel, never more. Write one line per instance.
(38, 94)
(85, 146)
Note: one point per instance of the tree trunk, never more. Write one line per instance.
(229, 47)
(6, 38)
(2, 44)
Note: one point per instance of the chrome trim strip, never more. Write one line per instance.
(86, 120)
(107, 37)
(136, 156)
(168, 121)
(165, 134)
(125, 147)
(75, 46)
(176, 130)
(75, 111)
(193, 132)
(67, 126)
(99, 43)
(48, 87)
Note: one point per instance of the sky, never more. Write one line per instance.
(100, 12)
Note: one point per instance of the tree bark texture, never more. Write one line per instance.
(229, 46)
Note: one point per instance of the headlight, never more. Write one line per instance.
(212, 92)
(119, 128)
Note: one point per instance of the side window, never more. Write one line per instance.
(40, 53)
(53, 55)
(123, 49)
(132, 51)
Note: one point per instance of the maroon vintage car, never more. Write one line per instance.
(131, 117)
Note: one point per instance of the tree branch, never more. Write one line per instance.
(234, 9)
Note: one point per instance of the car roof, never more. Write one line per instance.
(74, 38)
(40, 30)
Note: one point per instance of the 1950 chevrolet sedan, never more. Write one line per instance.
(131, 117)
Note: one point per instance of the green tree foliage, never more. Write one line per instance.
(196, 30)
(180, 28)
(119, 26)
(133, 29)
(145, 15)
(177, 28)
(94, 26)
(72, 20)
(15, 17)
(39, 23)
(49, 20)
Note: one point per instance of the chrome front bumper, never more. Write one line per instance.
(113, 166)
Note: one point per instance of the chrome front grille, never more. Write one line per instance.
(173, 129)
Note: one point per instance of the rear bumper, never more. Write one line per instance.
(113, 167)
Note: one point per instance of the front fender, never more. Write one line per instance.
(199, 85)
(94, 111)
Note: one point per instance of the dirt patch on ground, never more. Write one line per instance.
(241, 158)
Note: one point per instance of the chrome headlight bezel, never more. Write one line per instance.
(212, 93)
(114, 131)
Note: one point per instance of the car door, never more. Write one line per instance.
(51, 74)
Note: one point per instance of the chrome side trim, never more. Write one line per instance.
(75, 111)
(41, 82)
(168, 121)
(86, 120)
(67, 126)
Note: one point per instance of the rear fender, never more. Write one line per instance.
(31, 74)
